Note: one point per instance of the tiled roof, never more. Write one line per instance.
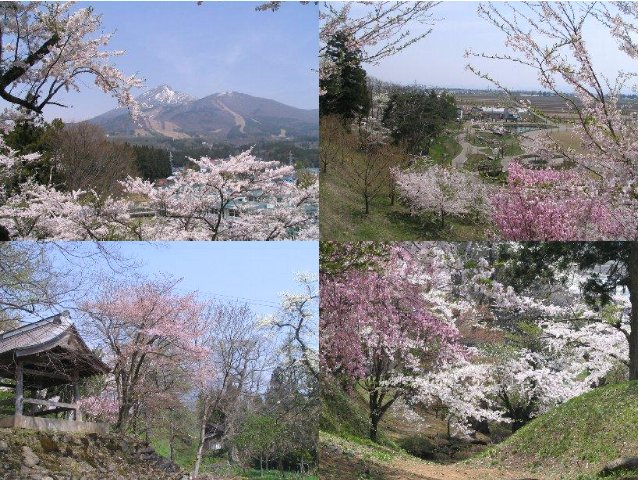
(55, 333)
(35, 334)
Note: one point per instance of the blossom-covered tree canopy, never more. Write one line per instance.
(441, 191)
(599, 199)
(376, 329)
(141, 329)
(238, 198)
(48, 48)
(457, 326)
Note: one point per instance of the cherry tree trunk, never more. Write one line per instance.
(374, 426)
(633, 297)
(202, 437)
(123, 416)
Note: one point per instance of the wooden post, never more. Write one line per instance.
(19, 388)
(76, 397)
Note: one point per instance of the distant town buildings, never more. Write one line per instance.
(506, 114)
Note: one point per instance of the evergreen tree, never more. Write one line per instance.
(345, 89)
(152, 163)
(415, 117)
(37, 137)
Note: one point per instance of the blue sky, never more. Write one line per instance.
(208, 48)
(255, 272)
(438, 60)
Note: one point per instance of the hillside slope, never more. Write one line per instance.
(26, 454)
(346, 452)
(227, 116)
(576, 438)
(342, 459)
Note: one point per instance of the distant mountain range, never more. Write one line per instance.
(229, 116)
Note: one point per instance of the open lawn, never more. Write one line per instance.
(342, 217)
(567, 139)
(445, 148)
(510, 144)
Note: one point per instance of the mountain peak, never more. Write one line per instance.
(232, 117)
(227, 93)
(163, 95)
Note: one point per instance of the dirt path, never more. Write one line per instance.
(527, 140)
(344, 461)
(404, 469)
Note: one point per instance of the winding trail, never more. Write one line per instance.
(415, 469)
(527, 141)
(340, 460)
(466, 150)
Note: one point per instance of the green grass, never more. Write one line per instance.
(184, 454)
(490, 169)
(578, 437)
(444, 149)
(341, 414)
(346, 416)
(271, 474)
(342, 209)
(6, 403)
(510, 143)
(342, 217)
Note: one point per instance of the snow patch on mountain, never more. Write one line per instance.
(163, 95)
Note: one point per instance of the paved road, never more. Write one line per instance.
(466, 150)
(527, 140)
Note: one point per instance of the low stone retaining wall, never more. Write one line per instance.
(52, 424)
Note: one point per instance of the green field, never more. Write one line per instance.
(342, 218)
(445, 148)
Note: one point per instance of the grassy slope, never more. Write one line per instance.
(342, 211)
(573, 441)
(576, 438)
(342, 216)
(346, 452)
(445, 148)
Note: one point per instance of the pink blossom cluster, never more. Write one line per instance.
(550, 205)
(553, 39)
(371, 316)
(102, 407)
